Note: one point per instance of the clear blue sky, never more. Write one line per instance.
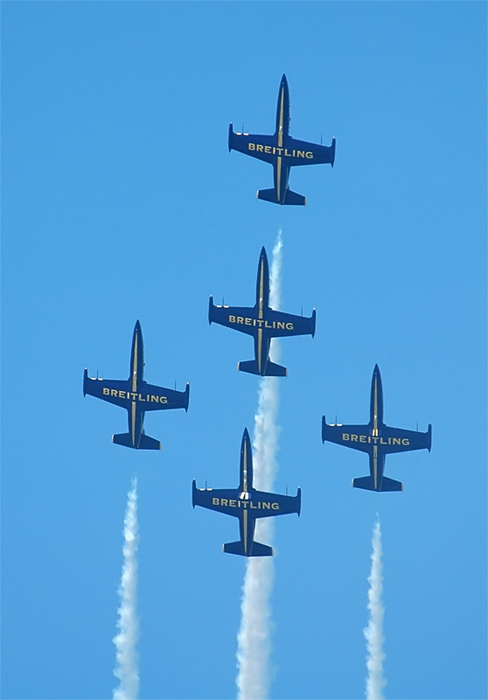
(121, 202)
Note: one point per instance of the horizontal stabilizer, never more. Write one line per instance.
(367, 483)
(145, 443)
(123, 439)
(257, 549)
(268, 195)
(290, 197)
(272, 369)
(391, 485)
(295, 198)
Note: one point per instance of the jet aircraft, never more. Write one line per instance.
(281, 151)
(136, 396)
(262, 322)
(246, 503)
(377, 440)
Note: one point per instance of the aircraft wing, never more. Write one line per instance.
(289, 324)
(354, 436)
(158, 398)
(111, 390)
(237, 317)
(314, 153)
(256, 145)
(260, 504)
(222, 500)
(270, 504)
(400, 440)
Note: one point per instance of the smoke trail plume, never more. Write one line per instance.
(254, 638)
(125, 641)
(374, 631)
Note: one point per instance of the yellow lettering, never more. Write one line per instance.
(154, 398)
(266, 506)
(354, 438)
(397, 441)
(215, 501)
(251, 505)
(266, 325)
(113, 392)
(224, 502)
(275, 506)
(267, 149)
(362, 438)
(259, 147)
(289, 326)
(281, 324)
(122, 394)
(248, 321)
(106, 391)
(232, 319)
(345, 436)
(163, 399)
(251, 146)
(240, 319)
(232, 503)
(300, 154)
(309, 154)
(383, 442)
(140, 398)
(405, 441)
(286, 152)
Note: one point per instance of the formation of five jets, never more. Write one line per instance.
(263, 323)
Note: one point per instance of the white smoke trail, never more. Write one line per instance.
(254, 638)
(374, 631)
(125, 641)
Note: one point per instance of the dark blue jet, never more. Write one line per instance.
(281, 151)
(262, 322)
(136, 396)
(247, 504)
(377, 439)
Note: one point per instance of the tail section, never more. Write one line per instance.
(124, 439)
(291, 197)
(261, 550)
(257, 549)
(268, 195)
(367, 483)
(145, 443)
(251, 366)
(295, 198)
(391, 484)
(272, 369)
